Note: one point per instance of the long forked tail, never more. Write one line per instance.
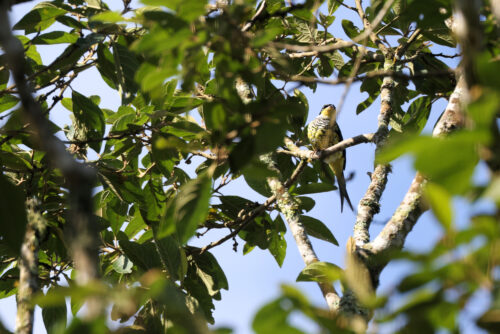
(339, 174)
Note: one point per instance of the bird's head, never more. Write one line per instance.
(328, 110)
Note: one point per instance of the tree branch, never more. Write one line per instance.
(245, 219)
(370, 26)
(369, 205)
(368, 75)
(289, 207)
(323, 154)
(82, 230)
(393, 235)
(28, 268)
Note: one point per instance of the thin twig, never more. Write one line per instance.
(323, 154)
(368, 75)
(247, 218)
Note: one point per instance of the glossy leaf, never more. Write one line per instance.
(317, 229)
(323, 272)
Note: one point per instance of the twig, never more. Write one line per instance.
(247, 218)
(368, 75)
(259, 11)
(348, 84)
(338, 43)
(323, 154)
(369, 26)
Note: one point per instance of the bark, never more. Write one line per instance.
(369, 205)
(79, 178)
(289, 207)
(28, 268)
(394, 233)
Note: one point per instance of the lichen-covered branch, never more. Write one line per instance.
(393, 235)
(289, 207)
(369, 205)
(28, 268)
(79, 178)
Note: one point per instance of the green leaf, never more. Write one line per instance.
(452, 151)
(255, 175)
(15, 160)
(55, 37)
(277, 243)
(314, 188)
(187, 210)
(333, 5)
(210, 272)
(4, 74)
(307, 33)
(123, 123)
(417, 115)
(128, 63)
(272, 318)
(106, 65)
(266, 35)
(323, 272)
(486, 68)
(440, 202)
(372, 87)
(8, 101)
(12, 214)
(39, 18)
(273, 6)
(305, 203)
(317, 229)
(232, 205)
(54, 317)
(173, 256)
(108, 16)
(89, 120)
(123, 265)
(303, 14)
(144, 256)
(135, 225)
(8, 287)
(350, 29)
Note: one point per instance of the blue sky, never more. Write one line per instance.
(254, 279)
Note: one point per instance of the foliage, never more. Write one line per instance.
(174, 65)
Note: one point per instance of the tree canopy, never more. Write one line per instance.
(104, 210)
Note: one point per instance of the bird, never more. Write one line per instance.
(324, 132)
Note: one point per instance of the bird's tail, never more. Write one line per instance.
(337, 168)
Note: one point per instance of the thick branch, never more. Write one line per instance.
(393, 235)
(289, 207)
(369, 205)
(80, 178)
(28, 268)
